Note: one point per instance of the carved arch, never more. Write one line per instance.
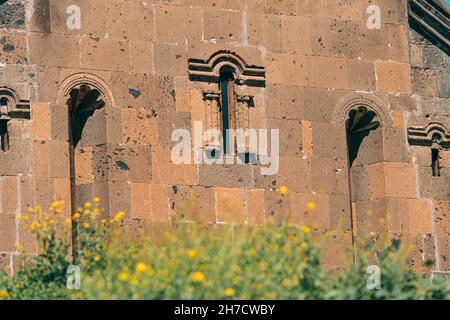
(425, 136)
(87, 79)
(209, 70)
(15, 107)
(355, 100)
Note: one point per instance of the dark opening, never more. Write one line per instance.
(4, 137)
(435, 165)
(226, 105)
(359, 125)
(83, 103)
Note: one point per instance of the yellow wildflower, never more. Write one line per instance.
(97, 258)
(305, 245)
(305, 229)
(141, 267)
(58, 211)
(252, 252)
(88, 205)
(68, 222)
(34, 226)
(310, 206)
(283, 190)
(25, 218)
(86, 225)
(123, 276)
(230, 292)
(52, 221)
(96, 200)
(76, 216)
(3, 294)
(19, 217)
(119, 217)
(198, 277)
(192, 254)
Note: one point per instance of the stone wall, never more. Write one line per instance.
(305, 64)
(431, 78)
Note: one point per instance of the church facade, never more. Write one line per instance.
(342, 103)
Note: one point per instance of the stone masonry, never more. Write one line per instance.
(363, 114)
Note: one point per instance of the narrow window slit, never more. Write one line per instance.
(4, 135)
(435, 165)
(226, 105)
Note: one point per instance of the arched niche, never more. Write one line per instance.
(86, 99)
(363, 117)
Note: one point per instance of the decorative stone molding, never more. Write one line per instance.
(431, 18)
(356, 100)
(12, 106)
(209, 70)
(87, 79)
(433, 135)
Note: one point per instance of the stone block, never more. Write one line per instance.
(295, 173)
(420, 216)
(54, 51)
(264, 29)
(230, 204)
(400, 180)
(291, 136)
(138, 128)
(169, 18)
(398, 42)
(141, 56)
(41, 116)
(129, 20)
(361, 75)
(286, 102)
(7, 232)
(230, 176)
(41, 158)
(222, 26)
(105, 54)
(288, 69)
(165, 172)
(170, 59)
(140, 197)
(256, 210)
(140, 163)
(294, 40)
(329, 72)
(324, 146)
(160, 202)
(59, 159)
(193, 203)
(9, 194)
(13, 47)
(393, 77)
(395, 147)
(90, 13)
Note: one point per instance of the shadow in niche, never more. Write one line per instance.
(83, 103)
(359, 125)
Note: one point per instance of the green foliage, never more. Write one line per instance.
(274, 262)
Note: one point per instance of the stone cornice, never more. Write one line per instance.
(431, 18)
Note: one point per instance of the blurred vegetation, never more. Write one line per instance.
(195, 261)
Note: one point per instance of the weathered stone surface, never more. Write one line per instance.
(153, 64)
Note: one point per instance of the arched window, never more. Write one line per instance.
(4, 136)
(227, 105)
(435, 157)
